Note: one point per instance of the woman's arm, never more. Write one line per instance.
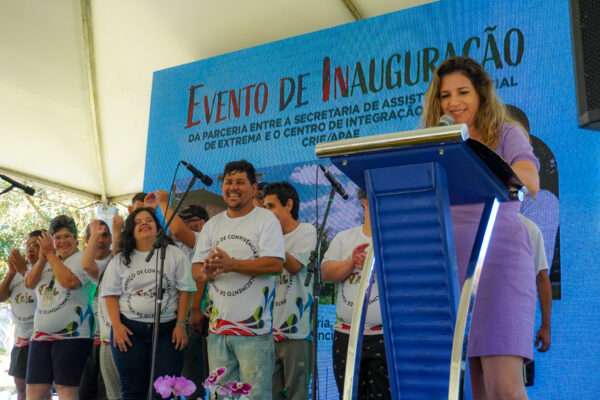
(179, 333)
(527, 173)
(120, 332)
(339, 270)
(63, 274)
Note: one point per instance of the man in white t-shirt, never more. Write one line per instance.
(100, 378)
(22, 307)
(239, 252)
(544, 288)
(293, 300)
(343, 263)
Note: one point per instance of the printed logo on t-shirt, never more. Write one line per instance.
(24, 298)
(242, 285)
(284, 283)
(133, 281)
(44, 289)
(245, 327)
(56, 299)
(349, 302)
(290, 325)
(243, 239)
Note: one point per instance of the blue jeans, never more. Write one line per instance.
(249, 359)
(134, 364)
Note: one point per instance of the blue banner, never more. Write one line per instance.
(272, 104)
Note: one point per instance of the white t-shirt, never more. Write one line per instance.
(22, 307)
(99, 307)
(293, 300)
(341, 248)
(241, 304)
(66, 313)
(539, 256)
(135, 284)
(189, 251)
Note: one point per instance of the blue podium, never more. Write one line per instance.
(411, 179)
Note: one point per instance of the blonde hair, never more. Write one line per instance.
(491, 114)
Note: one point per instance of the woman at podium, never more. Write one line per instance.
(501, 332)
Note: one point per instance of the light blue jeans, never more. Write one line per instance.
(249, 359)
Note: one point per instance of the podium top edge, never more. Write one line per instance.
(438, 134)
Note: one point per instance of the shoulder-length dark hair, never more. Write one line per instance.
(492, 113)
(127, 241)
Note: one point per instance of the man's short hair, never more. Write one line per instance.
(87, 229)
(62, 221)
(284, 191)
(241, 166)
(361, 194)
(138, 197)
(193, 210)
(36, 233)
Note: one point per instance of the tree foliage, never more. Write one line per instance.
(18, 216)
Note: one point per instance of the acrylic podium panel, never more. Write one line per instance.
(411, 179)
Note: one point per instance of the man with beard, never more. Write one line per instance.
(239, 252)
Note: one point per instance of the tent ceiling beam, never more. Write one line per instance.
(90, 66)
(353, 10)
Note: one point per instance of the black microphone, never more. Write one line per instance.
(336, 185)
(446, 120)
(27, 189)
(207, 180)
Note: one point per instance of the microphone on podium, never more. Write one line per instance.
(446, 120)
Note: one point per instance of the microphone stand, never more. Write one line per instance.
(313, 268)
(162, 241)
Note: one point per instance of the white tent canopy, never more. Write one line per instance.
(76, 76)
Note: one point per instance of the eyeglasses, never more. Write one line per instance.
(64, 237)
(32, 245)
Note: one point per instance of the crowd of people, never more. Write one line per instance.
(234, 291)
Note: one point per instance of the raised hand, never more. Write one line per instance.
(46, 244)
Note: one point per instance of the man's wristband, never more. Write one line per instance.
(184, 324)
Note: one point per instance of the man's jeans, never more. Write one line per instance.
(249, 359)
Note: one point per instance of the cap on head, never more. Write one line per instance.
(193, 210)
